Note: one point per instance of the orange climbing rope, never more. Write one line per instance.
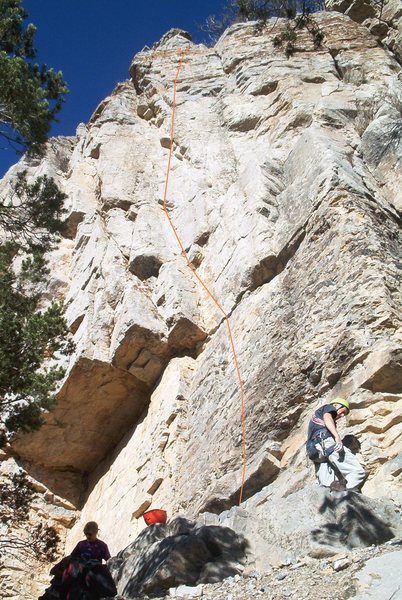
(183, 54)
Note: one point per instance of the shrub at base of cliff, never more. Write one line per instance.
(23, 537)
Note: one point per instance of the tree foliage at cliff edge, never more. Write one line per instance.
(31, 219)
(31, 94)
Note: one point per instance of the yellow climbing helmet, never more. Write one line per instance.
(341, 401)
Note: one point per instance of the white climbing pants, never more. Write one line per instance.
(344, 463)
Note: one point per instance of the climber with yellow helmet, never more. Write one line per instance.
(336, 466)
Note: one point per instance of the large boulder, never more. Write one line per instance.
(313, 521)
(165, 556)
(266, 531)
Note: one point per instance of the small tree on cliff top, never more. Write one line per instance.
(238, 11)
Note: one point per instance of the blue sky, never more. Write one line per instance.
(93, 41)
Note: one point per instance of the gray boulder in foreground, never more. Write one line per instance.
(165, 556)
(381, 578)
(266, 530)
(312, 521)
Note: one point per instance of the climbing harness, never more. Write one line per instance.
(182, 56)
(318, 439)
(313, 453)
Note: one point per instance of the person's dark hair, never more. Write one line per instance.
(91, 527)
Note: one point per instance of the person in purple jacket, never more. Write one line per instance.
(91, 548)
(85, 575)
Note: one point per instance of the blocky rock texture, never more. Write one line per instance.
(383, 19)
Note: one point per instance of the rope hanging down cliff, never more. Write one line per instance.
(182, 56)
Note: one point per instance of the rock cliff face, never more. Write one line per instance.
(285, 188)
(383, 19)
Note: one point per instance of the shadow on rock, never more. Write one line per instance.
(168, 555)
(351, 442)
(351, 522)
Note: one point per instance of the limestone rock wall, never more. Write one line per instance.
(285, 188)
(22, 573)
(383, 19)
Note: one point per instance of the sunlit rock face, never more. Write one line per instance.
(382, 19)
(285, 187)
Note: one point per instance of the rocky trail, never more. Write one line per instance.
(341, 577)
